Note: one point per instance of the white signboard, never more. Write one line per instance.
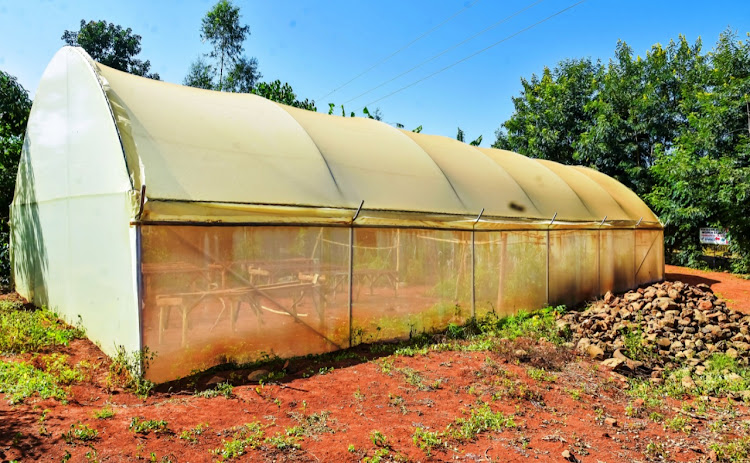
(714, 236)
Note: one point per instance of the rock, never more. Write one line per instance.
(732, 353)
(632, 297)
(610, 422)
(704, 287)
(665, 303)
(569, 456)
(583, 345)
(595, 352)
(705, 305)
(663, 342)
(215, 380)
(609, 297)
(613, 363)
(257, 375)
(521, 354)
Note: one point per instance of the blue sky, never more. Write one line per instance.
(317, 45)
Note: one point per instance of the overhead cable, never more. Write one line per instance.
(506, 19)
(398, 51)
(475, 53)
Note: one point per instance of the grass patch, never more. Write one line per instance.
(23, 330)
(191, 435)
(314, 423)
(248, 436)
(224, 389)
(140, 425)
(79, 432)
(126, 371)
(105, 413)
(735, 451)
(20, 380)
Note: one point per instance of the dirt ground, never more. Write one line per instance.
(368, 403)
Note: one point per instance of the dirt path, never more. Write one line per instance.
(735, 290)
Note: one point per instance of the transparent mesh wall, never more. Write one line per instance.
(510, 271)
(573, 266)
(218, 294)
(649, 256)
(409, 281)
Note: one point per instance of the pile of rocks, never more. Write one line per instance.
(659, 326)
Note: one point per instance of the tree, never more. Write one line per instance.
(282, 93)
(460, 137)
(15, 106)
(221, 28)
(110, 45)
(550, 114)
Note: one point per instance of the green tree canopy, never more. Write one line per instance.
(15, 106)
(110, 45)
(231, 71)
(673, 126)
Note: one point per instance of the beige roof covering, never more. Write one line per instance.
(211, 156)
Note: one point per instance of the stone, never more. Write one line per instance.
(732, 353)
(610, 422)
(215, 380)
(257, 375)
(609, 297)
(583, 345)
(705, 305)
(632, 297)
(595, 352)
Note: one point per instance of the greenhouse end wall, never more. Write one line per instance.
(218, 294)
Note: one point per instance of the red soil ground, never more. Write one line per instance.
(579, 406)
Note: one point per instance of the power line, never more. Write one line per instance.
(506, 19)
(398, 51)
(476, 53)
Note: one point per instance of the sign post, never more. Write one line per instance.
(715, 237)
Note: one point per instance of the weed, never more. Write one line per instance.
(289, 440)
(678, 423)
(386, 366)
(143, 426)
(656, 451)
(635, 348)
(79, 432)
(427, 440)
(358, 394)
(379, 439)
(656, 417)
(19, 381)
(225, 389)
(126, 370)
(736, 451)
(42, 427)
(576, 394)
(191, 435)
(482, 419)
(248, 436)
(398, 402)
(351, 448)
(23, 331)
(325, 370)
(539, 374)
(104, 413)
(315, 423)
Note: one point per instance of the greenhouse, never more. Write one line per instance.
(212, 227)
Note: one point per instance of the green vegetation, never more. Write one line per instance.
(23, 331)
(246, 437)
(671, 124)
(140, 425)
(191, 435)
(735, 451)
(126, 371)
(224, 389)
(105, 413)
(110, 45)
(80, 432)
(482, 419)
(19, 381)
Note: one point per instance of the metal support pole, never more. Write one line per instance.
(473, 267)
(599, 259)
(550, 223)
(351, 280)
